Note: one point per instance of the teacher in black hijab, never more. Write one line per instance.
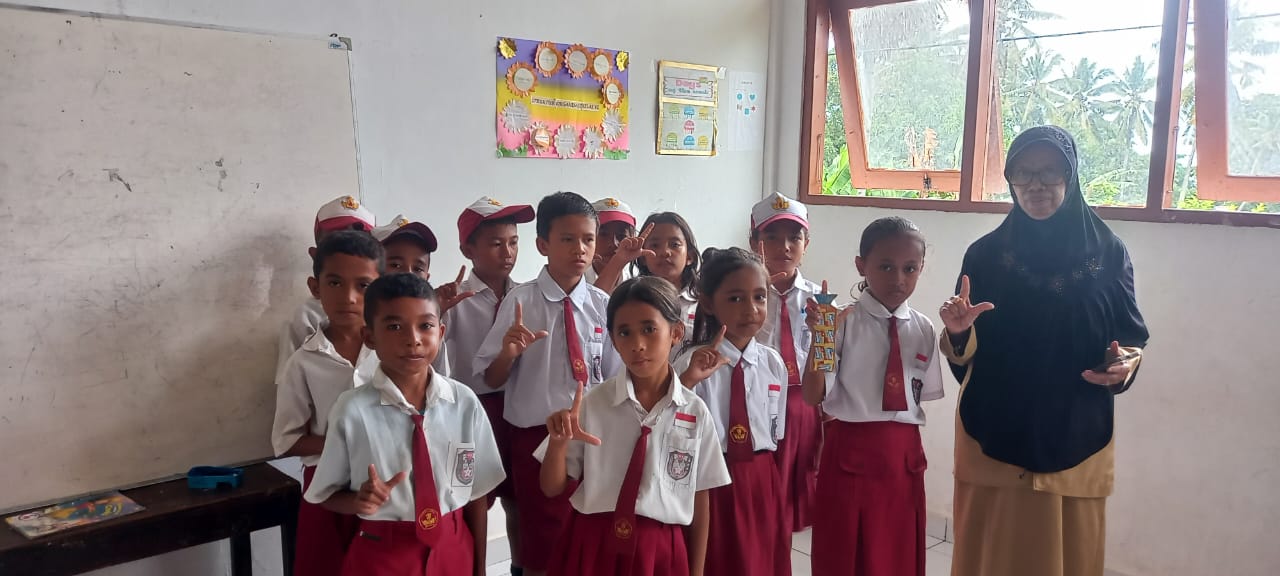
(1043, 333)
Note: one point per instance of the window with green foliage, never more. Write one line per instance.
(1090, 66)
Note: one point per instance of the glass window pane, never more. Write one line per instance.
(1253, 99)
(1089, 66)
(1253, 107)
(912, 67)
(835, 153)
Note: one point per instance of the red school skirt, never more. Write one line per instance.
(388, 548)
(797, 457)
(541, 519)
(750, 534)
(871, 521)
(492, 403)
(586, 549)
(322, 536)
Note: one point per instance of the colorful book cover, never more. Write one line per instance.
(67, 515)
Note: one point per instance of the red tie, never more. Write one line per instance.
(426, 502)
(895, 396)
(787, 345)
(740, 443)
(624, 512)
(575, 346)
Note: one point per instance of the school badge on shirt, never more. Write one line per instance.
(464, 469)
(679, 464)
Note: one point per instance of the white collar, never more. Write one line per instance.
(473, 283)
(554, 293)
(624, 389)
(750, 355)
(871, 306)
(797, 281)
(687, 296)
(439, 389)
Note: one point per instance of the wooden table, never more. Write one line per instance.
(176, 517)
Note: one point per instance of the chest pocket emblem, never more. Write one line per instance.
(679, 464)
(464, 470)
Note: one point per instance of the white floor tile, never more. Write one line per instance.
(943, 548)
(936, 564)
(800, 564)
(802, 541)
(500, 569)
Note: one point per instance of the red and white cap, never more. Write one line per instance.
(486, 209)
(400, 226)
(778, 207)
(614, 210)
(342, 213)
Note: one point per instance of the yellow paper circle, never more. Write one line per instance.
(507, 47)
(622, 59)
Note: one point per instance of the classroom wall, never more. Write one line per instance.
(1198, 442)
(424, 101)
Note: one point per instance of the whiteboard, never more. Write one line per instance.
(157, 189)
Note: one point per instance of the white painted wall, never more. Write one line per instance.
(424, 91)
(1198, 440)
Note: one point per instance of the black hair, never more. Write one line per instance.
(881, 229)
(387, 288)
(716, 266)
(558, 205)
(356, 243)
(689, 276)
(650, 290)
(489, 224)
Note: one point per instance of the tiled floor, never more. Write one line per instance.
(937, 558)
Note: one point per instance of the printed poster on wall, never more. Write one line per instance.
(565, 101)
(687, 100)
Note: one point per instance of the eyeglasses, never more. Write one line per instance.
(1048, 177)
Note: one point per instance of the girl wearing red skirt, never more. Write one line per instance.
(871, 518)
(742, 382)
(640, 506)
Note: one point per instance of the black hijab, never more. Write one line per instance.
(1063, 291)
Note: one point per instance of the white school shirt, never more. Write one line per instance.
(688, 310)
(373, 425)
(466, 325)
(794, 298)
(682, 453)
(541, 380)
(855, 392)
(312, 379)
(305, 320)
(765, 377)
(591, 275)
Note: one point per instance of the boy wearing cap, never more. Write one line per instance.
(342, 213)
(409, 246)
(487, 236)
(549, 334)
(617, 223)
(332, 361)
(780, 233)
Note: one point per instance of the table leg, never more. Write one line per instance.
(288, 535)
(241, 555)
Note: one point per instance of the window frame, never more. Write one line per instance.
(1212, 122)
(977, 161)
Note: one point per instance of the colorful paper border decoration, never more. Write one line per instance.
(542, 113)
